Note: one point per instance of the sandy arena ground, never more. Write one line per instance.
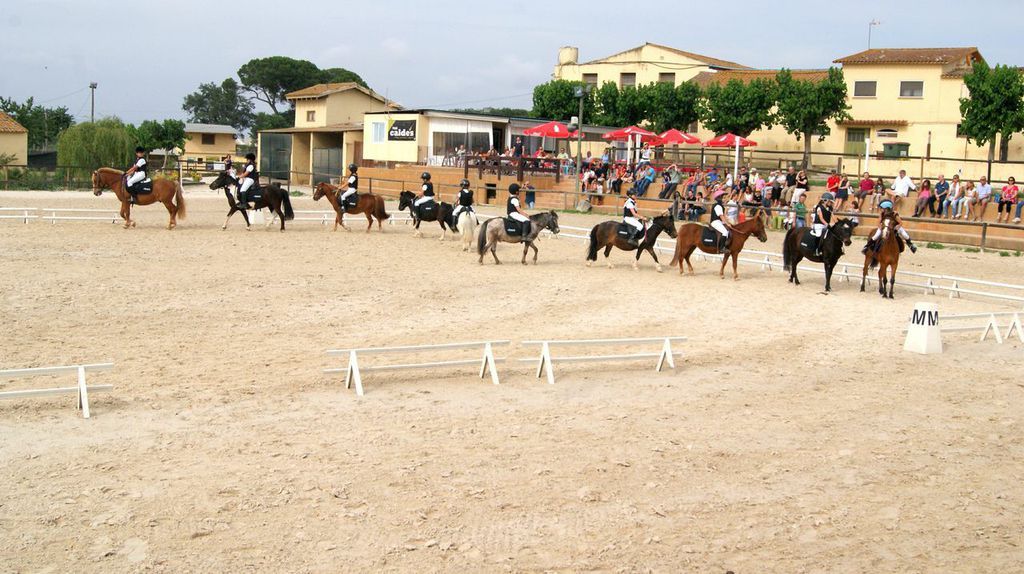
(796, 436)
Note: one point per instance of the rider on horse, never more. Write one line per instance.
(632, 217)
(249, 178)
(718, 219)
(426, 191)
(823, 220)
(464, 201)
(352, 185)
(515, 212)
(136, 173)
(888, 212)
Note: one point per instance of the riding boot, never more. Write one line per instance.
(242, 204)
(910, 244)
(134, 198)
(869, 246)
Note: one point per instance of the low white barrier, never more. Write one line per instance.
(81, 389)
(57, 214)
(545, 363)
(991, 325)
(22, 213)
(353, 370)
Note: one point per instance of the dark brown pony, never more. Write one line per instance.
(164, 191)
(274, 198)
(887, 257)
(606, 235)
(690, 235)
(367, 203)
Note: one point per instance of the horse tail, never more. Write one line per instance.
(379, 211)
(592, 249)
(287, 201)
(677, 253)
(481, 241)
(179, 201)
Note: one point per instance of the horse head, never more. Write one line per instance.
(223, 180)
(760, 217)
(668, 223)
(405, 199)
(552, 223)
(320, 190)
(844, 227)
(96, 189)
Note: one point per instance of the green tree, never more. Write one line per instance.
(44, 124)
(673, 106)
(737, 107)
(104, 143)
(557, 100)
(506, 112)
(224, 104)
(265, 121)
(269, 79)
(805, 107)
(168, 135)
(340, 76)
(606, 100)
(994, 105)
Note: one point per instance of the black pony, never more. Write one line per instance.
(441, 214)
(274, 198)
(605, 235)
(831, 249)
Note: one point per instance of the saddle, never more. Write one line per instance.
(711, 238)
(516, 228)
(630, 233)
(350, 202)
(254, 194)
(810, 242)
(142, 188)
(427, 211)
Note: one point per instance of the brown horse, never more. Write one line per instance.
(605, 235)
(367, 203)
(887, 256)
(689, 238)
(164, 191)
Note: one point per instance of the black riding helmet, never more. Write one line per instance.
(140, 149)
(464, 183)
(353, 167)
(630, 192)
(425, 176)
(250, 156)
(514, 189)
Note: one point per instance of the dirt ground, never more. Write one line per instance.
(796, 436)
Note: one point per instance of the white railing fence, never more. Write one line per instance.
(353, 370)
(545, 363)
(81, 389)
(991, 325)
(22, 213)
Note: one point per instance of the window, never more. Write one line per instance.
(912, 89)
(311, 116)
(886, 133)
(209, 139)
(590, 80)
(865, 89)
(627, 80)
(378, 132)
(667, 78)
(445, 143)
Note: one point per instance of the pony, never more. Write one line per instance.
(887, 256)
(690, 238)
(491, 233)
(442, 215)
(605, 235)
(165, 191)
(467, 224)
(831, 249)
(367, 203)
(274, 198)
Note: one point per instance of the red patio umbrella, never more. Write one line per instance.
(674, 136)
(731, 140)
(632, 134)
(556, 130)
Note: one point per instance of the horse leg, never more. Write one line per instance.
(526, 249)
(337, 220)
(882, 280)
(494, 251)
(688, 264)
(534, 247)
(792, 269)
(416, 224)
(657, 264)
(279, 213)
(828, 278)
(171, 212)
(125, 214)
(864, 274)
(444, 232)
(735, 274)
(892, 280)
(369, 222)
(228, 218)
(607, 252)
(721, 270)
(245, 216)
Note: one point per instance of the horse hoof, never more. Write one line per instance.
(658, 268)
(588, 263)
(224, 228)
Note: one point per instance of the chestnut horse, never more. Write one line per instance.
(606, 235)
(164, 191)
(367, 203)
(886, 257)
(690, 238)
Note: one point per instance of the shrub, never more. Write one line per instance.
(934, 245)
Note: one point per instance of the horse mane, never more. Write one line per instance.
(110, 170)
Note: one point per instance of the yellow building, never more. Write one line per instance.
(637, 66)
(13, 140)
(208, 142)
(327, 135)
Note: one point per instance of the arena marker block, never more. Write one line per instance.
(923, 334)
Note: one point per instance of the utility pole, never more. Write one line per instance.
(580, 92)
(871, 24)
(92, 102)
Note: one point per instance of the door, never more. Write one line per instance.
(326, 164)
(855, 141)
(499, 139)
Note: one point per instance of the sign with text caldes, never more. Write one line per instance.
(402, 130)
(923, 335)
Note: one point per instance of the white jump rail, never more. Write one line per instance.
(81, 389)
(57, 214)
(545, 363)
(22, 213)
(327, 217)
(353, 371)
(991, 325)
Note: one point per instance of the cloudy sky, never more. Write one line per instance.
(147, 55)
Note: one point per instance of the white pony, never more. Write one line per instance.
(467, 224)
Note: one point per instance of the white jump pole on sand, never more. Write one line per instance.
(546, 361)
(81, 389)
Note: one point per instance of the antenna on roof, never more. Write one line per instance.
(872, 24)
